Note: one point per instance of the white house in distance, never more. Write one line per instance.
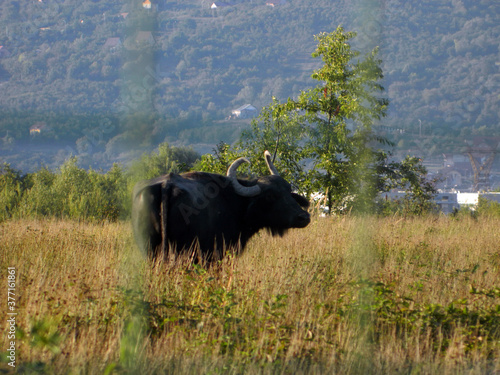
(245, 111)
(274, 3)
(219, 4)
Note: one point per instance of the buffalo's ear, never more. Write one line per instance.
(303, 202)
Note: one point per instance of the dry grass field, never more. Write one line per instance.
(343, 296)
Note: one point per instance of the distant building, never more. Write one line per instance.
(38, 128)
(245, 111)
(219, 5)
(467, 199)
(448, 202)
(387, 129)
(146, 4)
(274, 3)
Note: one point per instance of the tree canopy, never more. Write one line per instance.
(329, 127)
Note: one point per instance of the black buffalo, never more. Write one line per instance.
(209, 213)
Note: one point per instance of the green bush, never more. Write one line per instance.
(167, 159)
(40, 199)
(218, 162)
(12, 187)
(488, 207)
(75, 193)
(71, 192)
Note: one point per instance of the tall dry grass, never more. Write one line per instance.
(345, 295)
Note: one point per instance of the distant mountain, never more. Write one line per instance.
(441, 60)
(162, 72)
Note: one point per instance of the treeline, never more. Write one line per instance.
(70, 193)
(75, 193)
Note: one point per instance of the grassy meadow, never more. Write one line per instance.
(343, 296)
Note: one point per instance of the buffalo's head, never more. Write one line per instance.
(273, 205)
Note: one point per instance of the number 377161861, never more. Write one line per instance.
(11, 291)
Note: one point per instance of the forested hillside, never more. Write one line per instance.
(106, 77)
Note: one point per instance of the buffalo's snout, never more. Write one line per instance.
(302, 220)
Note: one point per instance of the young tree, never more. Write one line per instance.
(329, 124)
(340, 111)
(330, 127)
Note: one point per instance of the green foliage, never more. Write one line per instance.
(44, 334)
(41, 199)
(409, 175)
(349, 84)
(166, 160)
(281, 131)
(485, 208)
(75, 193)
(488, 207)
(12, 186)
(476, 317)
(345, 164)
(218, 162)
(346, 167)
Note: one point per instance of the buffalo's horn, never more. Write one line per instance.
(270, 164)
(245, 191)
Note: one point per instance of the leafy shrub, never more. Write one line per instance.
(12, 186)
(488, 207)
(40, 199)
(72, 192)
(75, 193)
(219, 162)
(167, 159)
(409, 175)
